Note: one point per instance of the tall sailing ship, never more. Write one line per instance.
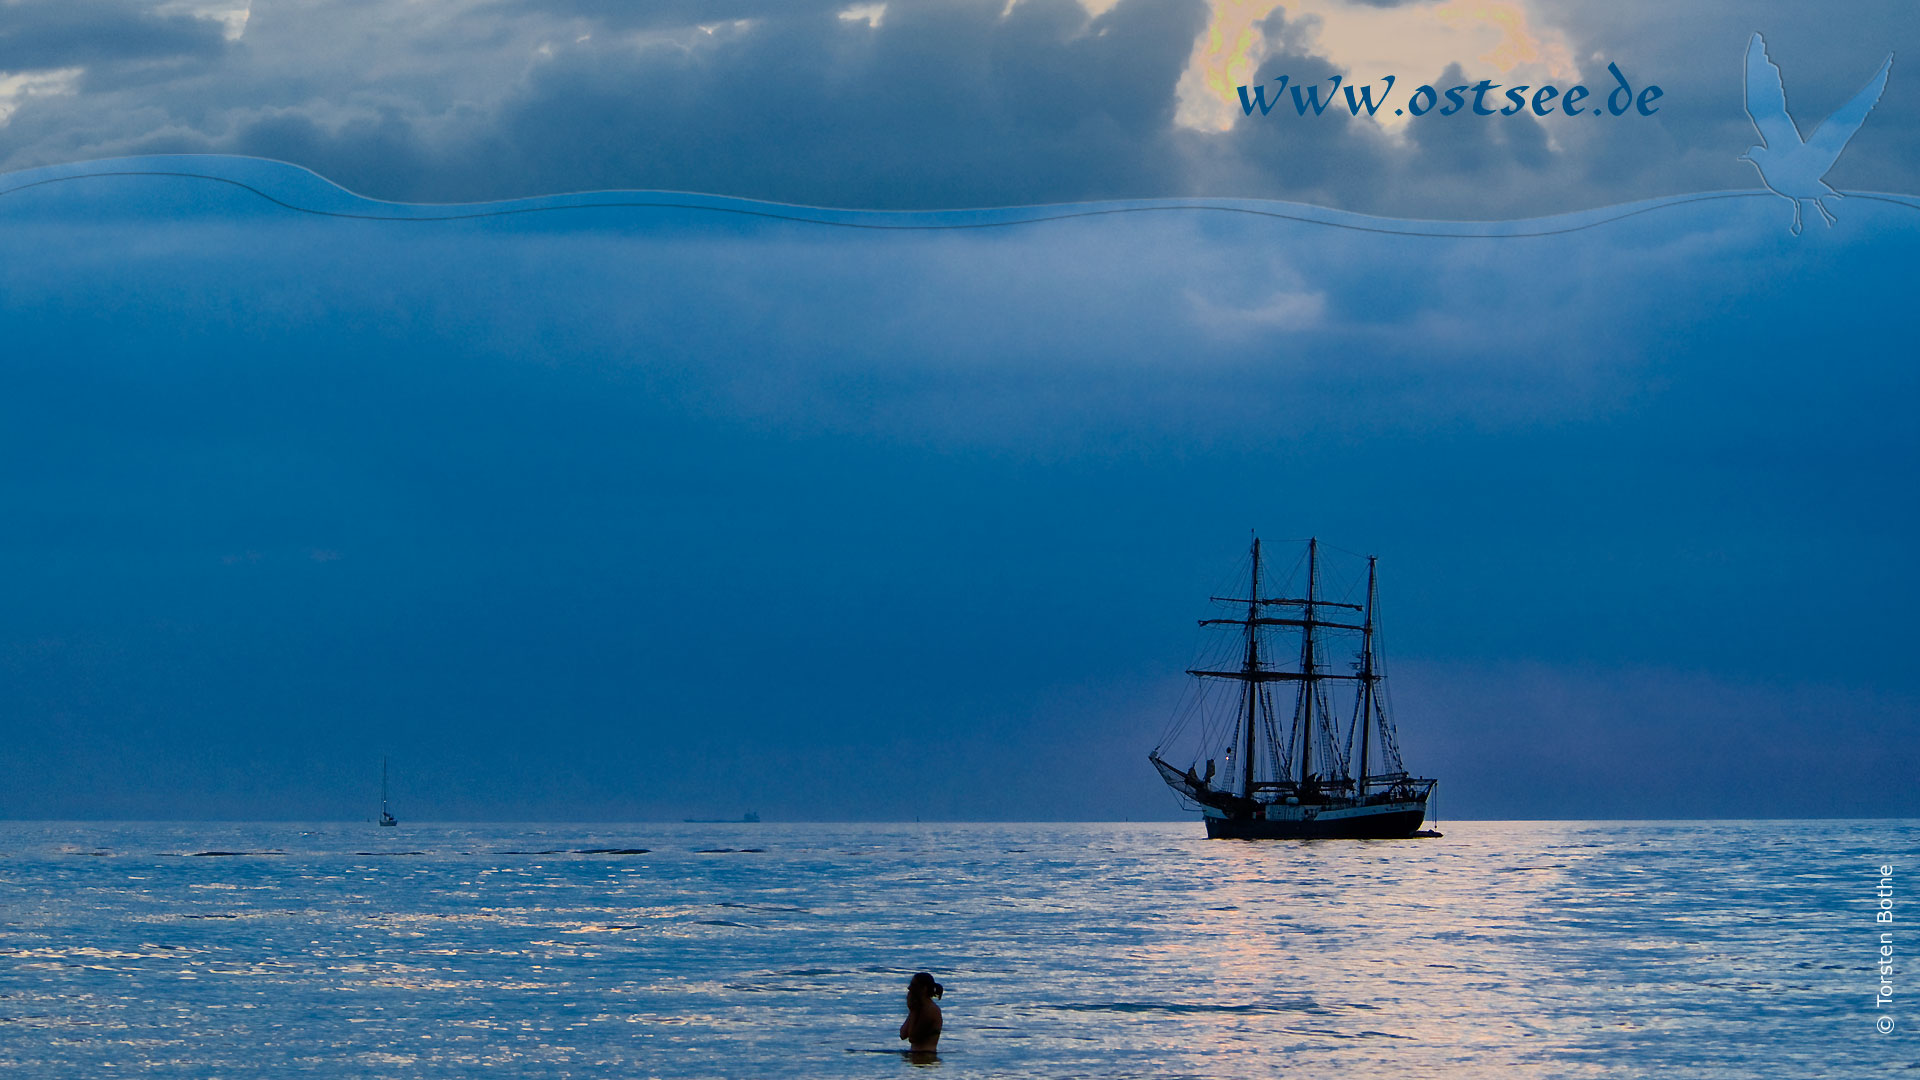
(1333, 768)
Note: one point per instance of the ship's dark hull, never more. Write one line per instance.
(1393, 825)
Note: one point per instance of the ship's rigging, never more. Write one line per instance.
(1277, 724)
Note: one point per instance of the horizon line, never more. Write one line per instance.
(882, 821)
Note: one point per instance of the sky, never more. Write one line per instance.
(647, 513)
(934, 103)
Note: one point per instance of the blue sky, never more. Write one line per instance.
(631, 513)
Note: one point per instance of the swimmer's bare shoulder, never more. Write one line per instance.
(922, 1030)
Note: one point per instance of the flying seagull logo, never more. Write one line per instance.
(1790, 166)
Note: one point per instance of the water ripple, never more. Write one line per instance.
(1697, 950)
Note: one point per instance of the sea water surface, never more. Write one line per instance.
(1673, 949)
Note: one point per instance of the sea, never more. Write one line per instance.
(1702, 949)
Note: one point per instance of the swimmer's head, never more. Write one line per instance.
(922, 987)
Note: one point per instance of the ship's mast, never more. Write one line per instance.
(1252, 669)
(1366, 680)
(1304, 707)
(383, 787)
(1253, 675)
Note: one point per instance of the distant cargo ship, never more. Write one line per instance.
(1318, 774)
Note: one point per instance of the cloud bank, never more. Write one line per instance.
(929, 103)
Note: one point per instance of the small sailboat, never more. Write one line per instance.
(387, 820)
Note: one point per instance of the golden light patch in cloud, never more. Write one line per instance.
(1413, 43)
(1518, 46)
(1225, 59)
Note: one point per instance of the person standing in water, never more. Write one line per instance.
(921, 1028)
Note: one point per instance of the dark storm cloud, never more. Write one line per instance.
(911, 104)
(40, 35)
(942, 104)
(1465, 145)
